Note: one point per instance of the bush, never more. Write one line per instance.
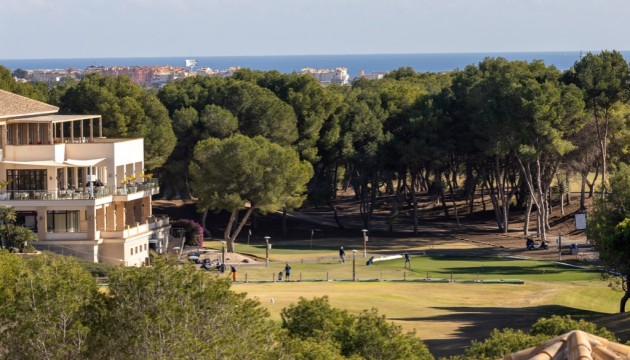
(366, 336)
(558, 325)
(98, 269)
(192, 230)
(504, 342)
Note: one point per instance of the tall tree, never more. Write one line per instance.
(44, 306)
(243, 173)
(168, 312)
(604, 79)
(549, 113)
(127, 110)
(609, 229)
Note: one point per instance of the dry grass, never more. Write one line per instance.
(454, 312)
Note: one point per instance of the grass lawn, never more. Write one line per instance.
(422, 267)
(439, 312)
(428, 307)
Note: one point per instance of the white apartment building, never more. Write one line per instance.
(328, 76)
(83, 194)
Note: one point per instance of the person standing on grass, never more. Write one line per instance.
(287, 272)
(407, 259)
(342, 255)
(233, 269)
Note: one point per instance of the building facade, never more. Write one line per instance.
(81, 193)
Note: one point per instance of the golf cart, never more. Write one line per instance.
(531, 244)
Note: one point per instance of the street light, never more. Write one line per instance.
(365, 240)
(354, 265)
(267, 247)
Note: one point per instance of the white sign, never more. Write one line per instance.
(191, 62)
(580, 221)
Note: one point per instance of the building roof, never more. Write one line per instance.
(13, 105)
(574, 345)
(53, 118)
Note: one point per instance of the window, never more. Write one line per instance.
(27, 179)
(28, 219)
(63, 221)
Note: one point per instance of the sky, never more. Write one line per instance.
(46, 29)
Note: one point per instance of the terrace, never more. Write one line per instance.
(147, 188)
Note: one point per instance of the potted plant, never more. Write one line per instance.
(5, 195)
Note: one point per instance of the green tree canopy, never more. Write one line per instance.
(502, 343)
(162, 312)
(609, 229)
(240, 172)
(367, 335)
(604, 79)
(45, 305)
(128, 111)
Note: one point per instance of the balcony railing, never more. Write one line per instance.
(79, 194)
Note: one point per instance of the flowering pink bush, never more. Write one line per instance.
(193, 231)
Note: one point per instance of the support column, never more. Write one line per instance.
(42, 218)
(91, 222)
(129, 214)
(120, 216)
(146, 205)
(110, 218)
(101, 219)
(3, 135)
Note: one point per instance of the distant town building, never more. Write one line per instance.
(158, 76)
(206, 71)
(375, 75)
(50, 76)
(329, 76)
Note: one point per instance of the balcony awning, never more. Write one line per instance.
(83, 163)
(33, 163)
(51, 163)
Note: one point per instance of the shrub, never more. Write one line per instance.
(192, 230)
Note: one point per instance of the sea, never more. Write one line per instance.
(427, 62)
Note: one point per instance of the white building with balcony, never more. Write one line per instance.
(81, 193)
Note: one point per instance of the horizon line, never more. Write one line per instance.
(300, 55)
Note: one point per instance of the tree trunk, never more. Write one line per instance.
(335, 180)
(624, 300)
(561, 202)
(415, 202)
(207, 232)
(284, 222)
(583, 194)
(528, 212)
(567, 180)
(232, 237)
(454, 202)
(336, 213)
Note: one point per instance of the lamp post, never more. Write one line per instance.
(365, 240)
(267, 247)
(354, 265)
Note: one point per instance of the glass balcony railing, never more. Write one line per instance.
(131, 188)
(78, 194)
